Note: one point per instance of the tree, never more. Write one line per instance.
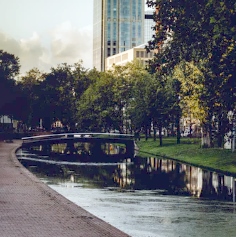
(139, 106)
(107, 103)
(84, 78)
(191, 89)
(153, 101)
(96, 107)
(9, 69)
(30, 85)
(59, 94)
(124, 77)
(9, 65)
(210, 26)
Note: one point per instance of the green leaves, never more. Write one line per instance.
(202, 33)
(9, 65)
(9, 69)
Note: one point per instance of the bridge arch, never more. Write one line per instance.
(97, 139)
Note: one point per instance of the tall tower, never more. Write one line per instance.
(149, 23)
(118, 25)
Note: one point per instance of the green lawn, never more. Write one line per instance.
(190, 152)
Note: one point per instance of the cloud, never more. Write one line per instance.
(66, 44)
(29, 51)
(9, 45)
(71, 44)
(32, 51)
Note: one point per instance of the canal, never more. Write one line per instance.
(144, 197)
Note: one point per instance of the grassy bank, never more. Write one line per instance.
(189, 151)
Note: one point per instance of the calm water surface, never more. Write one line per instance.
(144, 197)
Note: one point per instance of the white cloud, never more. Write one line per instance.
(31, 53)
(67, 45)
(9, 45)
(71, 44)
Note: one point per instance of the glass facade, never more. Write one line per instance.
(118, 26)
(149, 23)
(97, 34)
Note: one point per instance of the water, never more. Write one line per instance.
(144, 197)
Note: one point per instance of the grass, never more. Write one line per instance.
(190, 151)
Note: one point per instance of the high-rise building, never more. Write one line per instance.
(118, 25)
(148, 25)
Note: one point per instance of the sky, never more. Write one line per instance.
(45, 33)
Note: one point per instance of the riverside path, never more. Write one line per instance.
(29, 208)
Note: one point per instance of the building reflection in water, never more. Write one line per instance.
(176, 178)
(137, 174)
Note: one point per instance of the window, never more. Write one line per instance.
(108, 52)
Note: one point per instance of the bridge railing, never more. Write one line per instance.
(76, 135)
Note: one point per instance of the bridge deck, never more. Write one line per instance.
(79, 136)
(71, 138)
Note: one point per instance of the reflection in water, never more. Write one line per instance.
(80, 151)
(135, 174)
(142, 197)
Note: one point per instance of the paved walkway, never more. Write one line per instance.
(29, 208)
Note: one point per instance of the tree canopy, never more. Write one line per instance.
(9, 69)
(201, 34)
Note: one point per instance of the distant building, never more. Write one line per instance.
(57, 124)
(5, 119)
(121, 59)
(6, 123)
(118, 25)
(148, 26)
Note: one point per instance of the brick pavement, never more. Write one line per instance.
(29, 208)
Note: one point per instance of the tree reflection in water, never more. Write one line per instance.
(114, 171)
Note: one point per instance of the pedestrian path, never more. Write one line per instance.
(29, 208)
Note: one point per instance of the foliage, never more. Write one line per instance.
(29, 85)
(139, 107)
(192, 84)
(126, 77)
(210, 46)
(53, 96)
(96, 106)
(60, 90)
(9, 65)
(9, 69)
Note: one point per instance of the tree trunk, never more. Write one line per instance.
(178, 130)
(220, 137)
(149, 131)
(160, 135)
(146, 135)
(207, 140)
(154, 135)
(233, 138)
